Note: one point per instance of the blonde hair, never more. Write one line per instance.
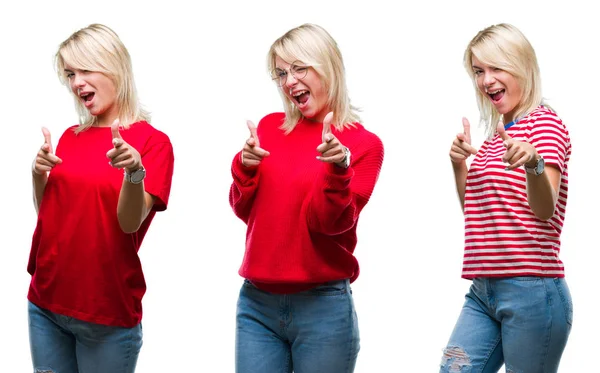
(314, 47)
(505, 47)
(98, 48)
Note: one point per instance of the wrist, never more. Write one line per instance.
(533, 162)
(537, 168)
(34, 172)
(135, 176)
(458, 164)
(134, 168)
(345, 162)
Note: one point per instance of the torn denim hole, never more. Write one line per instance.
(455, 359)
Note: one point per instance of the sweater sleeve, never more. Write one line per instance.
(339, 194)
(243, 188)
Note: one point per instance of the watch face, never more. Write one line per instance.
(540, 166)
(138, 175)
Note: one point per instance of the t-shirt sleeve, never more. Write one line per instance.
(158, 160)
(551, 139)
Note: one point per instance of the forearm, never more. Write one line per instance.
(460, 178)
(333, 206)
(541, 195)
(243, 188)
(132, 208)
(39, 185)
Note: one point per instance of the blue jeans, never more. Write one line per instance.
(61, 344)
(314, 331)
(523, 322)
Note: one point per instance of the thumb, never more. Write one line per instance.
(467, 130)
(114, 128)
(47, 139)
(502, 132)
(253, 132)
(327, 127)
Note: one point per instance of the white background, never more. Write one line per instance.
(201, 70)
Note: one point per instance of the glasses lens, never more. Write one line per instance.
(299, 70)
(279, 76)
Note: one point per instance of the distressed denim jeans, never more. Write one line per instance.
(314, 331)
(61, 344)
(522, 322)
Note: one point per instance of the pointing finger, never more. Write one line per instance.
(114, 127)
(502, 132)
(467, 129)
(327, 127)
(253, 132)
(47, 139)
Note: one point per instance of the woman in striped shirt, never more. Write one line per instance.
(518, 310)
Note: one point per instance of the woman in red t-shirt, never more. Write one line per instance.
(518, 311)
(300, 183)
(96, 195)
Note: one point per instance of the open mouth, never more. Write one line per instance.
(87, 97)
(496, 95)
(301, 97)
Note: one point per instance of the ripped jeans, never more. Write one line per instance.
(523, 322)
(61, 344)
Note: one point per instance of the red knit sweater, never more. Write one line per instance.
(302, 213)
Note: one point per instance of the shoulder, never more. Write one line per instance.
(544, 119)
(360, 134)
(145, 130)
(69, 133)
(544, 115)
(273, 119)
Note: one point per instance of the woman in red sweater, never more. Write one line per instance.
(96, 196)
(299, 183)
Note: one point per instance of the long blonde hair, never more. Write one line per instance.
(314, 47)
(98, 48)
(505, 47)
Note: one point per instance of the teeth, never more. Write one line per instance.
(298, 93)
(493, 93)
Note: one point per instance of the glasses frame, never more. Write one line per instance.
(280, 80)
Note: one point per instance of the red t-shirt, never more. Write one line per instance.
(82, 264)
(302, 213)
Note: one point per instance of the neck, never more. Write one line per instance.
(508, 117)
(107, 118)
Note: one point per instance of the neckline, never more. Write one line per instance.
(513, 122)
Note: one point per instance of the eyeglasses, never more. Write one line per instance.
(297, 69)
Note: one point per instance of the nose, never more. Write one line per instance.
(290, 80)
(78, 80)
(488, 79)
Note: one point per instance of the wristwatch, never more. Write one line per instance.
(538, 169)
(136, 176)
(345, 163)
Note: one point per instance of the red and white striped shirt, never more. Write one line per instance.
(503, 237)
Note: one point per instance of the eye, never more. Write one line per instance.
(497, 69)
(477, 72)
(299, 69)
(280, 73)
(69, 75)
